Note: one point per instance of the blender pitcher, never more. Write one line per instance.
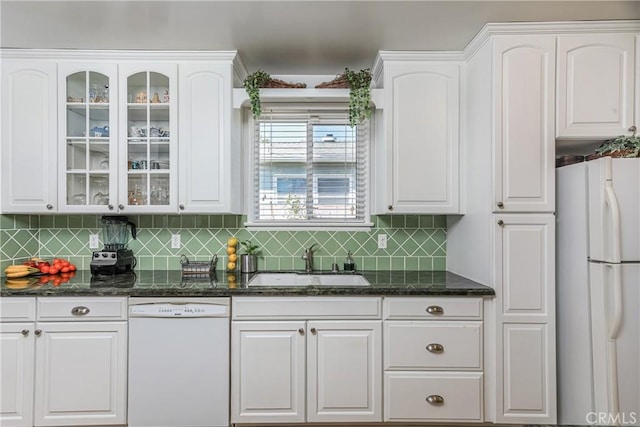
(115, 231)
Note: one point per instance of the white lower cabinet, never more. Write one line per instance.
(17, 352)
(312, 367)
(71, 371)
(433, 364)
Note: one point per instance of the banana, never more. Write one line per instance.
(18, 274)
(20, 270)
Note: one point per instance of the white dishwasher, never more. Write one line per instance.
(178, 362)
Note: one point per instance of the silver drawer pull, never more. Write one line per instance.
(435, 399)
(80, 310)
(435, 348)
(435, 309)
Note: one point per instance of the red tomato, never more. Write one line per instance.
(72, 267)
(65, 263)
(44, 269)
(53, 270)
(64, 269)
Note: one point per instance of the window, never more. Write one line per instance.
(310, 168)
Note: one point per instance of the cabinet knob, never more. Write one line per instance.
(121, 206)
(181, 207)
(500, 205)
(110, 207)
(25, 332)
(80, 310)
(500, 223)
(314, 331)
(435, 309)
(390, 207)
(435, 399)
(633, 129)
(435, 348)
(49, 206)
(301, 331)
(38, 332)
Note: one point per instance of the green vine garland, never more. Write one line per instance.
(359, 95)
(625, 146)
(252, 85)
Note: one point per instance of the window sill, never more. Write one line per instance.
(296, 226)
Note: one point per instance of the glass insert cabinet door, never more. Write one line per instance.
(87, 124)
(149, 183)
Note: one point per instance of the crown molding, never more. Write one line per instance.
(122, 55)
(554, 28)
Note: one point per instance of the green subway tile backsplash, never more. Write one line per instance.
(415, 242)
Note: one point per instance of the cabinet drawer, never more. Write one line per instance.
(17, 309)
(408, 396)
(82, 309)
(428, 308)
(306, 308)
(432, 345)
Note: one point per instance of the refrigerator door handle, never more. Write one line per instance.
(616, 318)
(614, 331)
(612, 202)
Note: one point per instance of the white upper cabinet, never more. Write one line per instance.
(417, 155)
(596, 86)
(28, 136)
(148, 152)
(209, 155)
(524, 112)
(87, 151)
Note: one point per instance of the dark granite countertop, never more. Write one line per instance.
(170, 283)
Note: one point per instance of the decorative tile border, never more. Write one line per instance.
(415, 242)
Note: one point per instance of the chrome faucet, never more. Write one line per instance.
(307, 256)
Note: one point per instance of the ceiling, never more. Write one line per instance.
(281, 37)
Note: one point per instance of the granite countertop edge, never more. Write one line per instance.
(170, 283)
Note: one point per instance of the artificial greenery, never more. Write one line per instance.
(629, 144)
(249, 248)
(252, 85)
(359, 95)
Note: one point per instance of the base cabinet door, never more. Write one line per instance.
(17, 350)
(81, 373)
(268, 372)
(344, 371)
(525, 319)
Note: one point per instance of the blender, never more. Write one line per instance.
(115, 257)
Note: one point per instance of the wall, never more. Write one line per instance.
(415, 242)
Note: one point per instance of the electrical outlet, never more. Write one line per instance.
(175, 241)
(382, 241)
(94, 241)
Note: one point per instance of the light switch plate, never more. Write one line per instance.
(382, 241)
(94, 241)
(175, 241)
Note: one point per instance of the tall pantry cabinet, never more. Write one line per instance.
(509, 184)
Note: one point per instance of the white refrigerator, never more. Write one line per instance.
(598, 292)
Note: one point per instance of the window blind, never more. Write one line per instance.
(309, 167)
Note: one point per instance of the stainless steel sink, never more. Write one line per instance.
(299, 279)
